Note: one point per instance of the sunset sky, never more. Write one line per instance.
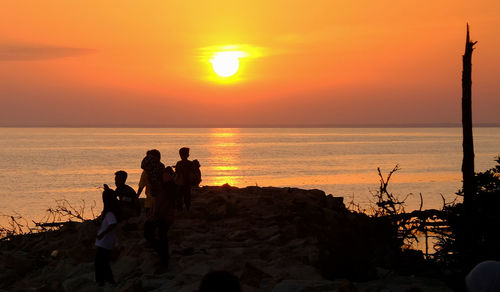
(147, 63)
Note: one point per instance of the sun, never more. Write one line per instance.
(230, 63)
(226, 64)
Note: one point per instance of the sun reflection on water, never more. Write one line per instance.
(225, 154)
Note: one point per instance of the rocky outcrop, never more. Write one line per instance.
(273, 239)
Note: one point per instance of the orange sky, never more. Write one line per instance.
(319, 63)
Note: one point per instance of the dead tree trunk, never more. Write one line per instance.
(468, 145)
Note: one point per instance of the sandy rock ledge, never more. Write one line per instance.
(273, 239)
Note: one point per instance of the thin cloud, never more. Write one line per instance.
(247, 51)
(36, 53)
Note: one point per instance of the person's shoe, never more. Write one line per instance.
(165, 261)
(111, 283)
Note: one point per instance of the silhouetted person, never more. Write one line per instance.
(184, 173)
(161, 217)
(129, 203)
(153, 167)
(218, 281)
(145, 184)
(106, 237)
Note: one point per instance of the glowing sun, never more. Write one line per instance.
(226, 64)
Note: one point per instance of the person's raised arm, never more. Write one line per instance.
(142, 183)
(133, 193)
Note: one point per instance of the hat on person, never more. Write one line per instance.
(484, 277)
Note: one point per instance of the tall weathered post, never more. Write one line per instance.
(468, 145)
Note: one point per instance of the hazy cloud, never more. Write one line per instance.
(34, 52)
(246, 50)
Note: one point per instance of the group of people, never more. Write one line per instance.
(166, 190)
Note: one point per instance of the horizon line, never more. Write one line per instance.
(381, 125)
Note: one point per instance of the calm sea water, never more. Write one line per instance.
(41, 165)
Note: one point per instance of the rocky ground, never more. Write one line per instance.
(273, 239)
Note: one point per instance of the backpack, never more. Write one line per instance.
(189, 174)
(195, 177)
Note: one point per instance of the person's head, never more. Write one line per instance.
(184, 153)
(196, 163)
(220, 281)
(168, 174)
(109, 201)
(154, 153)
(120, 177)
(484, 277)
(169, 170)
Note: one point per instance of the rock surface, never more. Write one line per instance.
(273, 239)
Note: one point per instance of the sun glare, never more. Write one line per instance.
(226, 64)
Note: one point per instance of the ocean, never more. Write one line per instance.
(41, 165)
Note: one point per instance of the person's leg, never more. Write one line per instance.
(187, 197)
(98, 265)
(178, 198)
(163, 247)
(103, 271)
(106, 267)
(149, 232)
(137, 205)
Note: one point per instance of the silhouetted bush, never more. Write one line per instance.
(473, 229)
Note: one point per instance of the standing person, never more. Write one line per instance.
(106, 237)
(154, 170)
(184, 172)
(144, 184)
(161, 217)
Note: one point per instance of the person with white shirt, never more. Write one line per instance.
(106, 237)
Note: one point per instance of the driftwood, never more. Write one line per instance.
(63, 213)
(409, 225)
(422, 215)
(53, 224)
(429, 223)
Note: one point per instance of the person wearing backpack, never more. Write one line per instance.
(152, 165)
(161, 217)
(184, 179)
